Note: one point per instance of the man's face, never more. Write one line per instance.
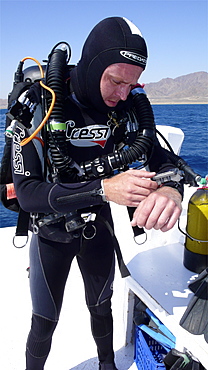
(116, 82)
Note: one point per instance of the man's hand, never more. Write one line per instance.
(160, 210)
(129, 188)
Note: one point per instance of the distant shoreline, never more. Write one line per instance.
(155, 102)
(177, 103)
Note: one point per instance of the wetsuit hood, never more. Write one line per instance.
(113, 40)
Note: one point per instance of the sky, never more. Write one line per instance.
(176, 32)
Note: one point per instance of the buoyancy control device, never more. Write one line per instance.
(21, 109)
(52, 105)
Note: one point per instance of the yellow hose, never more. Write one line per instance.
(31, 137)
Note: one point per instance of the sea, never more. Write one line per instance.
(191, 118)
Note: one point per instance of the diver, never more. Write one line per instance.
(69, 206)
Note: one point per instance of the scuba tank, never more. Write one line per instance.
(196, 242)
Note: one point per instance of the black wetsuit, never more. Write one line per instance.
(52, 251)
(88, 135)
(50, 259)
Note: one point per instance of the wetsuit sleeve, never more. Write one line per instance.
(159, 162)
(35, 194)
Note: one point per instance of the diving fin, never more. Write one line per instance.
(175, 360)
(195, 318)
(206, 332)
(194, 285)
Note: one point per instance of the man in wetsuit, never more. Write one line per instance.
(113, 58)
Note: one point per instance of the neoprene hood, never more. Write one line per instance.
(113, 40)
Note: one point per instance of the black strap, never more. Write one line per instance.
(22, 223)
(22, 227)
(123, 268)
(136, 230)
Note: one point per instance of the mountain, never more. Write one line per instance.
(3, 103)
(189, 89)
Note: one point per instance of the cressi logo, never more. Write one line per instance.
(18, 163)
(88, 136)
(134, 56)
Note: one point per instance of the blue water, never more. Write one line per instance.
(192, 119)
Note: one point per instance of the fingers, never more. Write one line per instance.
(158, 211)
(129, 188)
(143, 178)
(172, 220)
(157, 208)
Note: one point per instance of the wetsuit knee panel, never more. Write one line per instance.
(103, 309)
(40, 336)
(101, 319)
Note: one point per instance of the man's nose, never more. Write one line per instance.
(123, 92)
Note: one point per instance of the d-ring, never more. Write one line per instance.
(88, 237)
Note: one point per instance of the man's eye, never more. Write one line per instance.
(116, 82)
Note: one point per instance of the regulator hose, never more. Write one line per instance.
(55, 80)
(55, 77)
(190, 177)
(104, 165)
(145, 137)
(143, 144)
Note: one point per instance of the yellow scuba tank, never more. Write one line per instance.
(196, 242)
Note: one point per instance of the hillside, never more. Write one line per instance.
(191, 88)
(3, 103)
(188, 89)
